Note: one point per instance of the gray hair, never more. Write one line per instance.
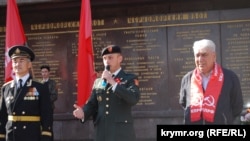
(204, 43)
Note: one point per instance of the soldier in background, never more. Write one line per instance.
(50, 83)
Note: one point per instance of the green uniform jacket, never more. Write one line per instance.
(32, 101)
(111, 111)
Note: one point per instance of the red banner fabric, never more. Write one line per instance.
(85, 63)
(14, 35)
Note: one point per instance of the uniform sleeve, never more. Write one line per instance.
(128, 89)
(46, 114)
(91, 106)
(3, 117)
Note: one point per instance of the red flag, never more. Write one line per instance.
(14, 35)
(85, 66)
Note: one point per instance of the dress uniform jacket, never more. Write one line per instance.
(25, 116)
(111, 111)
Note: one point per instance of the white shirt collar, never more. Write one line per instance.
(117, 71)
(24, 78)
(45, 80)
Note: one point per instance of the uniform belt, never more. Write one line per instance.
(24, 118)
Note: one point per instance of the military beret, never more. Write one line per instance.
(21, 51)
(111, 49)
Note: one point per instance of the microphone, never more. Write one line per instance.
(107, 68)
(104, 83)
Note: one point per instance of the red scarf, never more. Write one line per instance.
(205, 103)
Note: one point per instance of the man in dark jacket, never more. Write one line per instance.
(111, 100)
(25, 114)
(210, 94)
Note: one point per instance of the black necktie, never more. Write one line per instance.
(20, 85)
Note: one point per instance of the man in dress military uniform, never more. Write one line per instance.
(111, 100)
(24, 109)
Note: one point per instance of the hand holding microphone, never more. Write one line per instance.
(107, 68)
(104, 74)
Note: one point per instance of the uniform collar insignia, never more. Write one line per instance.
(29, 83)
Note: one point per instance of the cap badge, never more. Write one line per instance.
(17, 51)
(110, 49)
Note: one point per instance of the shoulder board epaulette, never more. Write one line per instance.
(8, 82)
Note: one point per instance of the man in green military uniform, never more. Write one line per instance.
(24, 109)
(112, 98)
